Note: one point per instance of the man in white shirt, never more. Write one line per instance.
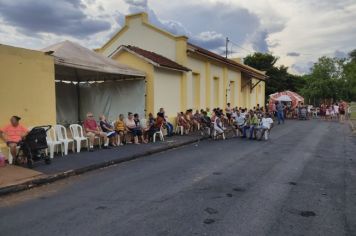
(266, 126)
(239, 123)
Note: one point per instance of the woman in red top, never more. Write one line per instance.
(157, 125)
(13, 134)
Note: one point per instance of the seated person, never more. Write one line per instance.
(266, 125)
(188, 116)
(167, 125)
(120, 129)
(92, 130)
(108, 129)
(133, 126)
(205, 119)
(218, 125)
(239, 123)
(246, 125)
(205, 123)
(251, 124)
(197, 120)
(156, 126)
(151, 120)
(13, 133)
(181, 121)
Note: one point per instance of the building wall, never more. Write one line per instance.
(217, 88)
(138, 63)
(198, 68)
(138, 32)
(214, 78)
(234, 79)
(250, 98)
(167, 91)
(207, 71)
(27, 87)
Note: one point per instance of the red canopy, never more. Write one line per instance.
(286, 96)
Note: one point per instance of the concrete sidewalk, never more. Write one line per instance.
(12, 175)
(14, 178)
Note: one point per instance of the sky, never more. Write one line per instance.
(296, 31)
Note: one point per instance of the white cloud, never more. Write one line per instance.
(307, 28)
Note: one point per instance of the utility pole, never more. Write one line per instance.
(226, 46)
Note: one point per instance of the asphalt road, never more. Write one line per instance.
(300, 182)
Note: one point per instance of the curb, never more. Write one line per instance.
(55, 177)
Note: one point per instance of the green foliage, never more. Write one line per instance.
(279, 78)
(352, 55)
(331, 79)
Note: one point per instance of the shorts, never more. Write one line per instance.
(12, 142)
(136, 132)
(101, 134)
(120, 132)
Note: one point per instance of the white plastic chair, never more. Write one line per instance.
(266, 134)
(179, 129)
(62, 136)
(78, 136)
(160, 133)
(53, 143)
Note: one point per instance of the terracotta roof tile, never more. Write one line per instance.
(156, 58)
(244, 68)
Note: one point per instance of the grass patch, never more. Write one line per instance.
(353, 110)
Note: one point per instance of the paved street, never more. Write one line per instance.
(300, 182)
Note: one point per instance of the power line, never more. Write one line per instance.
(237, 45)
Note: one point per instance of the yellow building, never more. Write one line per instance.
(52, 86)
(27, 87)
(180, 75)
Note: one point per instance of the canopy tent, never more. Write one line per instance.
(87, 81)
(286, 96)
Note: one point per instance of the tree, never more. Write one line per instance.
(331, 79)
(352, 55)
(350, 80)
(279, 78)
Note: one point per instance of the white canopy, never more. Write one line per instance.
(284, 98)
(70, 56)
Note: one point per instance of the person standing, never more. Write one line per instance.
(274, 109)
(280, 112)
(228, 111)
(342, 112)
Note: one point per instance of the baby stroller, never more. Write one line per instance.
(303, 113)
(34, 145)
(205, 128)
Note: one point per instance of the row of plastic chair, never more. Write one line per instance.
(57, 138)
